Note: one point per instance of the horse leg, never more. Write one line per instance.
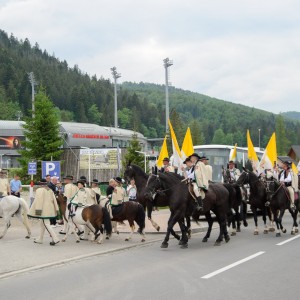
(238, 219)
(171, 223)
(188, 227)
(114, 227)
(132, 227)
(264, 216)
(222, 224)
(184, 239)
(295, 225)
(244, 213)
(210, 222)
(24, 219)
(254, 210)
(6, 225)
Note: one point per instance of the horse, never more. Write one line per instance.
(160, 199)
(182, 205)
(238, 208)
(257, 198)
(12, 205)
(132, 212)
(93, 217)
(279, 202)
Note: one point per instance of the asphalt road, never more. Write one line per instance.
(248, 267)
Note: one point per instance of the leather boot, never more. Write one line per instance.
(199, 203)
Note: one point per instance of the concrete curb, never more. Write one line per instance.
(84, 256)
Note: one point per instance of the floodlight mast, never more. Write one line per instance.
(167, 63)
(115, 75)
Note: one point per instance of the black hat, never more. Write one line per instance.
(204, 158)
(83, 178)
(81, 181)
(95, 181)
(166, 159)
(118, 179)
(187, 159)
(196, 155)
(70, 177)
(288, 163)
(231, 162)
(43, 181)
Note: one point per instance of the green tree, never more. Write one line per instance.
(93, 114)
(219, 137)
(197, 133)
(132, 156)
(282, 143)
(43, 141)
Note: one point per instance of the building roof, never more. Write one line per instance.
(296, 149)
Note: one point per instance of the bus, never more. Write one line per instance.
(219, 155)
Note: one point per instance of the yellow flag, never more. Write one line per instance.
(163, 153)
(251, 152)
(177, 160)
(271, 149)
(233, 154)
(294, 168)
(187, 148)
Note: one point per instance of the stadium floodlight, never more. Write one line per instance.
(167, 63)
(115, 75)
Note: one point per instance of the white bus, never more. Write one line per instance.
(219, 155)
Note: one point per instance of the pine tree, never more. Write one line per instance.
(43, 141)
(282, 142)
(132, 156)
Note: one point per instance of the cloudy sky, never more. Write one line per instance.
(242, 51)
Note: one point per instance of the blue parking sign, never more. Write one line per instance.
(32, 168)
(51, 168)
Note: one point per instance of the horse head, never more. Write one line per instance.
(152, 187)
(244, 178)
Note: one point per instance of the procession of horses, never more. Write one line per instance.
(224, 203)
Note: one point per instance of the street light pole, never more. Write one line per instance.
(259, 138)
(145, 161)
(115, 75)
(167, 63)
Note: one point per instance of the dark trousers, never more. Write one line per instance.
(16, 194)
(53, 221)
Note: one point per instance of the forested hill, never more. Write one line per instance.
(141, 106)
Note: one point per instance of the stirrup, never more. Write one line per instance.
(267, 204)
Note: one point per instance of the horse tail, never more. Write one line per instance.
(106, 220)
(24, 206)
(140, 217)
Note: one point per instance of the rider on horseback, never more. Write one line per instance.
(287, 178)
(200, 182)
(79, 199)
(117, 197)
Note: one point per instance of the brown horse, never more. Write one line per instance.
(92, 217)
(133, 212)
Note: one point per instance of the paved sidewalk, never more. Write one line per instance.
(22, 255)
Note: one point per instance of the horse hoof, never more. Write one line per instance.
(255, 233)
(233, 233)
(27, 237)
(245, 223)
(158, 228)
(204, 240)
(227, 238)
(127, 239)
(164, 245)
(271, 229)
(63, 240)
(266, 231)
(292, 232)
(184, 246)
(284, 230)
(107, 238)
(278, 234)
(78, 241)
(177, 237)
(180, 242)
(296, 230)
(238, 230)
(117, 232)
(143, 240)
(217, 243)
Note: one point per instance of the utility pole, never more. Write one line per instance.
(115, 75)
(33, 82)
(167, 63)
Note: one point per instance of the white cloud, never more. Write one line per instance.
(241, 51)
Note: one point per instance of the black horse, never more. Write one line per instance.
(182, 205)
(238, 207)
(257, 198)
(279, 202)
(160, 199)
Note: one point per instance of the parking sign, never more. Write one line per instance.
(51, 168)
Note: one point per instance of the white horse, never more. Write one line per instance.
(12, 205)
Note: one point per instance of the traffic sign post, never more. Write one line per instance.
(51, 168)
(32, 170)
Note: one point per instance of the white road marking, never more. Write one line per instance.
(232, 265)
(288, 240)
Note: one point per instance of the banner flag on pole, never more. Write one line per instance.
(163, 153)
(252, 156)
(270, 155)
(177, 160)
(233, 154)
(187, 148)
